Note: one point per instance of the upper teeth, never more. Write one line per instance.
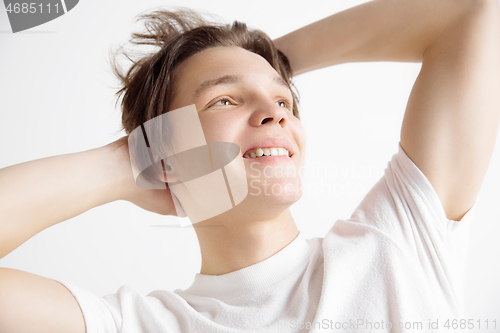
(267, 152)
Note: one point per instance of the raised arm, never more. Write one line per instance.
(38, 194)
(451, 120)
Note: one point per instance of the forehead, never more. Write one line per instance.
(217, 62)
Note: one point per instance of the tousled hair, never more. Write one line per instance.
(148, 86)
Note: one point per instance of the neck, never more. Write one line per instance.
(228, 247)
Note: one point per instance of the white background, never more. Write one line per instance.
(57, 97)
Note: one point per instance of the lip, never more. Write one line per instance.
(270, 143)
(269, 160)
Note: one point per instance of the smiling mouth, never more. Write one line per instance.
(271, 151)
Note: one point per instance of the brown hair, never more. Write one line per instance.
(148, 86)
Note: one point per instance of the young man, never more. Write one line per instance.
(396, 260)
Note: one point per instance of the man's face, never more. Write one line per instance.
(240, 98)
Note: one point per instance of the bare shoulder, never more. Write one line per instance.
(32, 303)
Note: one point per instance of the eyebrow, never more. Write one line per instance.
(279, 80)
(208, 84)
(229, 79)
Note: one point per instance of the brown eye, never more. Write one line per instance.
(223, 101)
(282, 104)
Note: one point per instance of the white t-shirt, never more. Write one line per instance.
(397, 262)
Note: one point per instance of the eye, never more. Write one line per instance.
(282, 103)
(223, 101)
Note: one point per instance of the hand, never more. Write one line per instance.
(156, 201)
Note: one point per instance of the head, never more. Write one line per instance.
(241, 86)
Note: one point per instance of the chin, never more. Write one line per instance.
(279, 192)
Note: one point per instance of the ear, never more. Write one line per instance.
(169, 174)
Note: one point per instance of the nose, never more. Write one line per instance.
(271, 114)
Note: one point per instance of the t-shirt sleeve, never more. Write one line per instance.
(407, 181)
(99, 315)
(404, 207)
(404, 195)
(129, 311)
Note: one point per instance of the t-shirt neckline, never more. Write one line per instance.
(254, 277)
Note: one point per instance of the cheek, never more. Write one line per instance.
(220, 127)
(299, 133)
